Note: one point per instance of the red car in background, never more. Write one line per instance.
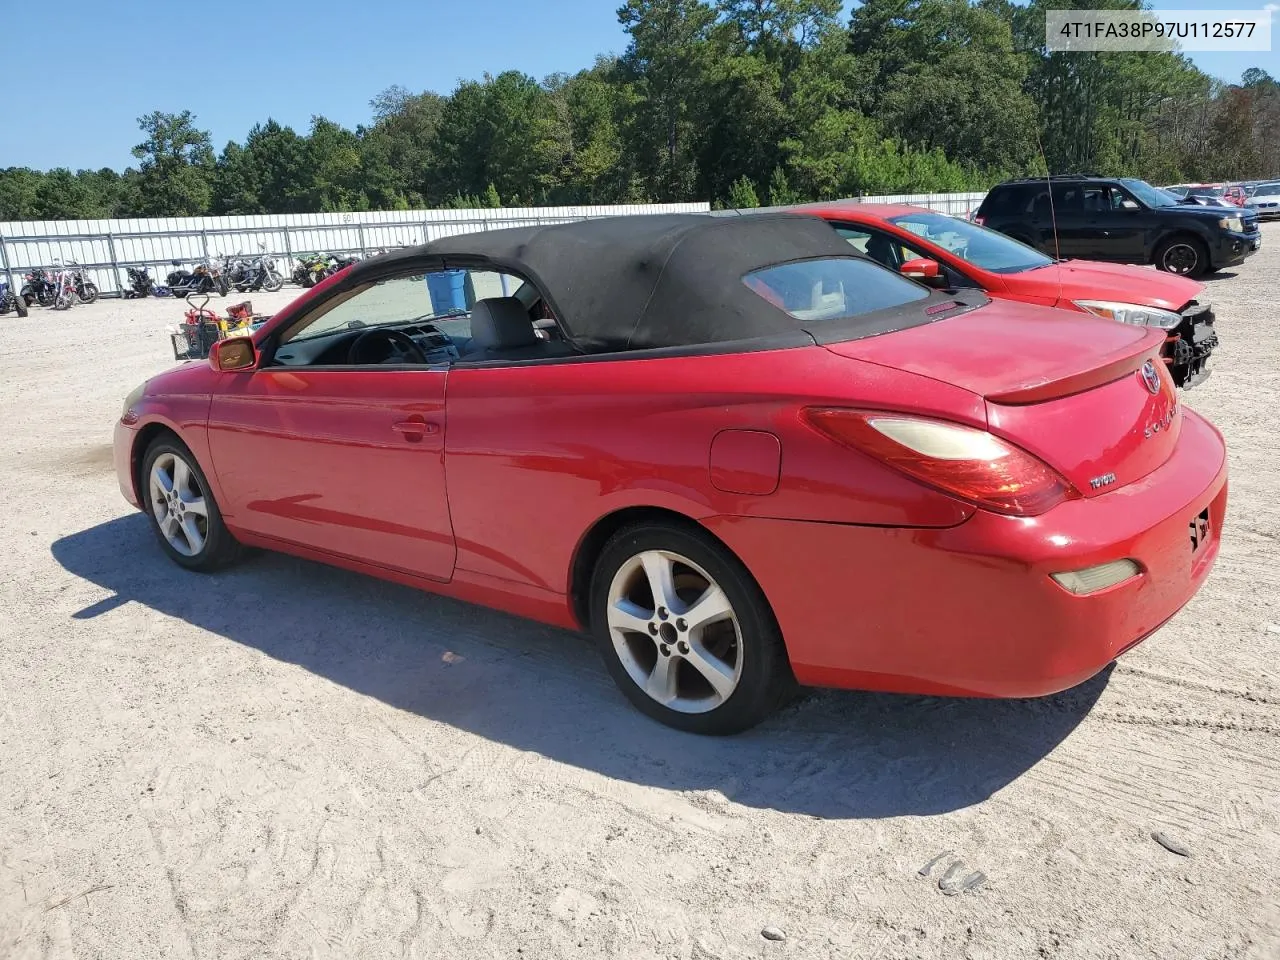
(737, 452)
(945, 251)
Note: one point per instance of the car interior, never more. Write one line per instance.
(381, 323)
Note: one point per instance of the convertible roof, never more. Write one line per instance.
(647, 281)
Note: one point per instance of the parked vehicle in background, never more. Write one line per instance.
(140, 284)
(1235, 195)
(748, 456)
(1205, 193)
(38, 288)
(11, 301)
(311, 269)
(86, 289)
(65, 292)
(948, 252)
(256, 273)
(205, 277)
(1121, 220)
(1264, 199)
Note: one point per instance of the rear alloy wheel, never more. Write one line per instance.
(685, 631)
(182, 510)
(1185, 256)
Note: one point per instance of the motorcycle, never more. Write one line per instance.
(38, 288)
(11, 301)
(64, 289)
(260, 273)
(141, 285)
(205, 277)
(86, 289)
(311, 269)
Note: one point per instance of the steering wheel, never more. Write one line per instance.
(398, 347)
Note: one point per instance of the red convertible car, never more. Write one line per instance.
(945, 251)
(737, 452)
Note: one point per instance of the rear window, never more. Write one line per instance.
(833, 288)
(1004, 200)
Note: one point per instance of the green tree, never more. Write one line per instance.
(945, 75)
(780, 192)
(742, 194)
(279, 166)
(18, 187)
(336, 169)
(176, 168)
(664, 68)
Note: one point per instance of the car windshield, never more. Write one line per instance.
(983, 248)
(1265, 189)
(832, 288)
(1151, 196)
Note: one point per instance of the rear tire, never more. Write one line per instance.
(720, 675)
(180, 507)
(1184, 256)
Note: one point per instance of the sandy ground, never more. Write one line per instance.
(292, 761)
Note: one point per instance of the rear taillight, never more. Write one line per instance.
(970, 464)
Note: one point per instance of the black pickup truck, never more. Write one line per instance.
(1121, 220)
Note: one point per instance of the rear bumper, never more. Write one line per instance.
(971, 609)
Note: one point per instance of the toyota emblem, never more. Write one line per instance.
(1151, 377)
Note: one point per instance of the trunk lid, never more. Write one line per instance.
(1073, 389)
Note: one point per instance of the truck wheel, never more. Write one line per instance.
(1185, 256)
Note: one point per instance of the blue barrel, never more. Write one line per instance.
(448, 290)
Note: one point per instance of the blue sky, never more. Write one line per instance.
(289, 61)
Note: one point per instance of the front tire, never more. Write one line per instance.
(181, 508)
(1184, 256)
(685, 631)
(87, 292)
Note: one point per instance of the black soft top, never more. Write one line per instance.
(652, 281)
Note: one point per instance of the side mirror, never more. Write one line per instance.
(923, 269)
(234, 353)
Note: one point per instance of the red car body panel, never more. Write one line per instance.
(1059, 284)
(486, 482)
(971, 609)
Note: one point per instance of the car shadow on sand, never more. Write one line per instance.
(536, 688)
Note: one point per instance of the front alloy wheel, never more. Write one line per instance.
(179, 505)
(182, 510)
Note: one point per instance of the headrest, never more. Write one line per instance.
(501, 323)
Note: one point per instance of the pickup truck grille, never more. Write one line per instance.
(1188, 347)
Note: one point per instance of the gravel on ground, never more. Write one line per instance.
(288, 760)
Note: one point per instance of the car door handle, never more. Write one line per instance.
(415, 428)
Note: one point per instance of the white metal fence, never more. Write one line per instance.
(106, 247)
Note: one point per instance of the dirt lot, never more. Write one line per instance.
(292, 761)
